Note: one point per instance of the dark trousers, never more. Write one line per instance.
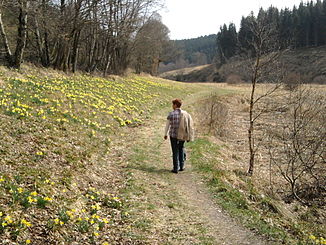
(178, 154)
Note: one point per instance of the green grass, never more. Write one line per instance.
(59, 163)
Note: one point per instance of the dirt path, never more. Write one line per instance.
(175, 208)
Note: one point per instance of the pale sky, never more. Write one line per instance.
(193, 18)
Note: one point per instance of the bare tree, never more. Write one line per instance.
(265, 68)
(15, 60)
(93, 35)
(149, 45)
(297, 143)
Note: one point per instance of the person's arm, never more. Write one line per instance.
(167, 128)
(191, 129)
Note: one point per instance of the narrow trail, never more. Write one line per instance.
(177, 208)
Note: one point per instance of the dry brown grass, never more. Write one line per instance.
(235, 126)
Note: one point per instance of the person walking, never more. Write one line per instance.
(179, 126)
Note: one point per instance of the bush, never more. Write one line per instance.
(292, 81)
(234, 79)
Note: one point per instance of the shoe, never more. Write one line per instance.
(181, 169)
(173, 171)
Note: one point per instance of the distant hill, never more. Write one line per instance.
(310, 63)
(190, 52)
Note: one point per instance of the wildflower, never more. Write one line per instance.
(2, 179)
(96, 206)
(95, 216)
(105, 243)
(70, 214)
(48, 199)
(1, 214)
(56, 221)
(31, 200)
(28, 241)
(34, 193)
(312, 237)
(20, 190)
(96, 234)
(25, 222)
(4, 224)
(39, 153)
(8, 219)
(105, 220)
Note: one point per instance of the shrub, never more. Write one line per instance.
(234, 79)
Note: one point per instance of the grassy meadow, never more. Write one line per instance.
(76, 166)
(58, 177)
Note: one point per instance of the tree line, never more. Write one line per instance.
(303, 26)
(189, 52)
(106, 36)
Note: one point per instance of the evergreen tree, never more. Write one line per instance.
(303, 26)
(245, 35)
(227, 42)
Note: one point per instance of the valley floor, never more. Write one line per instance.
(174, 208)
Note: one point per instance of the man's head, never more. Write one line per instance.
(176, 103)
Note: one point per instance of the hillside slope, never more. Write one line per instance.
(60, 177)
(310, 63)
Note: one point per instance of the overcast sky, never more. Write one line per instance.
(194, 18)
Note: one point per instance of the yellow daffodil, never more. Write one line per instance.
(26, 223)
(312, 237)
(34, 193)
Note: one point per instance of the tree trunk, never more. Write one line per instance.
(155, 65)
(47, 49)
(74, 57)
(251, 139)
(40, 46)
(22, 34)
(5, 41)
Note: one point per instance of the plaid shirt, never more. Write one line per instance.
(174, 118)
